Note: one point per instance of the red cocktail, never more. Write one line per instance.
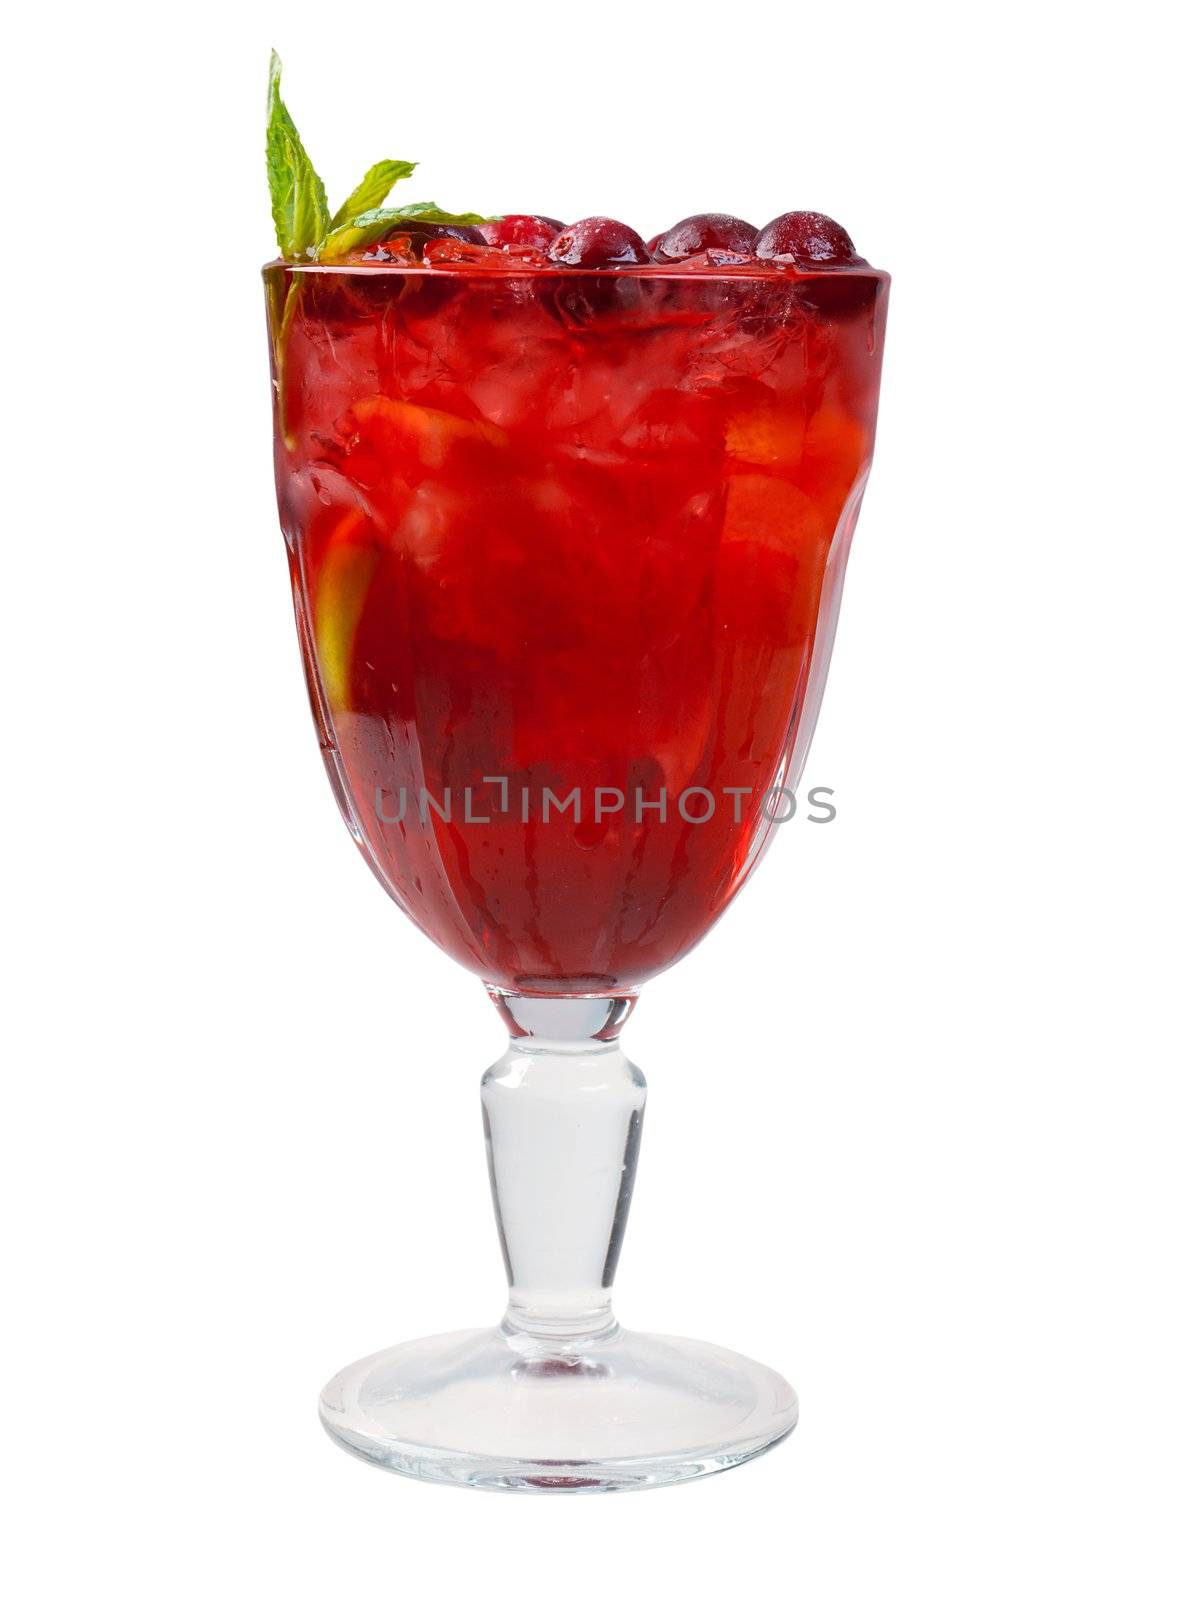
(567, 515)
(566, 546)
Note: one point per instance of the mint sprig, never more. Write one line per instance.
(305, 230)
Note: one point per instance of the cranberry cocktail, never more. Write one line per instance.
(567, 514)
(559, 537)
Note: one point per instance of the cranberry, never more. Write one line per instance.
(809, 237)
(598, 242)
(420, 233)
(518, 229)
(711, 230)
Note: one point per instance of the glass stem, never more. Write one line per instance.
(563, 1110)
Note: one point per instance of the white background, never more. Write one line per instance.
(925, 1109)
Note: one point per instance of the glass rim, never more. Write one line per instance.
(766, 272)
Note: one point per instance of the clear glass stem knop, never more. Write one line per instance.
(563, 1113)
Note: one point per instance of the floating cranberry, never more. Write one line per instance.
(420, 233)
(522, 230)
(598, 242)
(711, 230)
(809, 237)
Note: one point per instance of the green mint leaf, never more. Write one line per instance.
(372, 225)
(372, 190)
(427, 211)
(299, 207)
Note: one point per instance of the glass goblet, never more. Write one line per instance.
(566, 550)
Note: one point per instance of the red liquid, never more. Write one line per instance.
(570, 530)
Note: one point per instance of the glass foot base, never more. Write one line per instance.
(495, 1410)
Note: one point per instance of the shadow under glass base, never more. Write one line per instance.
(489, 1409)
